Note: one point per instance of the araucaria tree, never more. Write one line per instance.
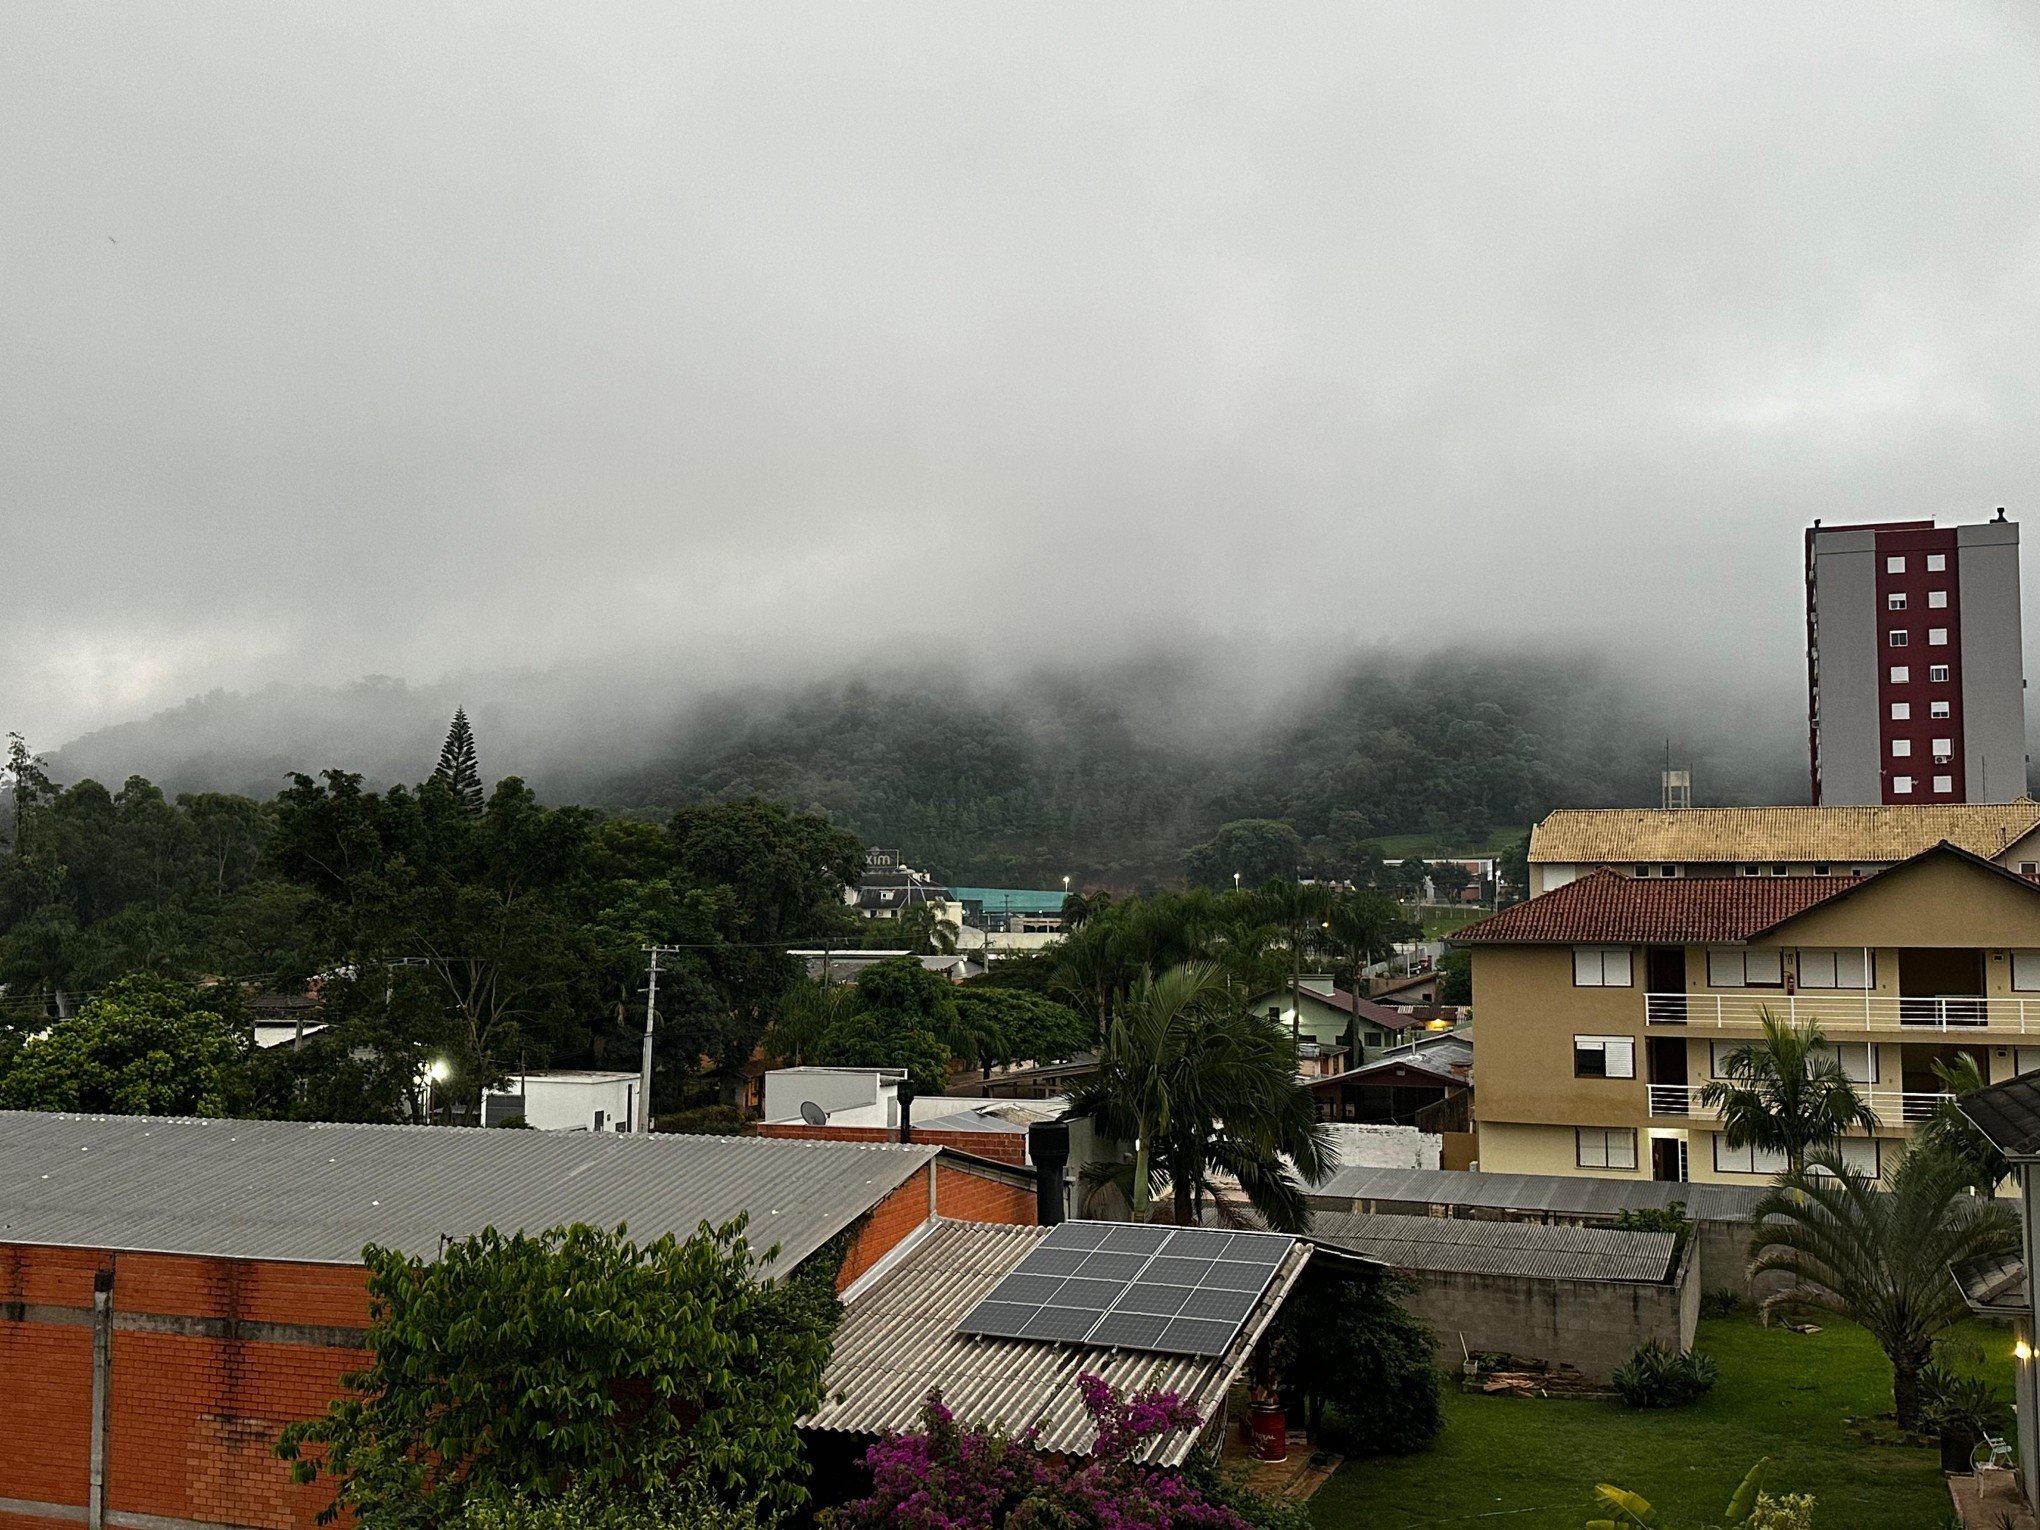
(573, 1361)
(1203, 1089)
(457, 767)
(1787, 1094)
(1879, 1253)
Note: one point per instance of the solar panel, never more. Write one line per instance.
(1173, 1290)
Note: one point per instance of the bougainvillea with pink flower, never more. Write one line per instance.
(955, 1477)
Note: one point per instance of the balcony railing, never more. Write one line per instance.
(1843, 1010)
(1894, 1107)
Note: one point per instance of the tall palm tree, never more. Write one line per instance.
(1956, 1135)
(1303, 911)
(1203, 1089)
(1787, 1093)
(1363, 927)
(1879, 1254)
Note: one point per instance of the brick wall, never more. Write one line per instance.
(1005, 1147)
(969, 1197)
(961, 1192)
(211, 1358)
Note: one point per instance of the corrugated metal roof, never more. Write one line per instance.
(1994, 1285)
(1480, 1246)
(1567, 1195)
(898, 1342)
(1583, 836)
(2008, 1114)
(319, 1192)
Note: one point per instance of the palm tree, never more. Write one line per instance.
(1956, 1135)
(1880, 1256)
(1363, 928)
(1203, 1089)
(1787, 1093)
(1303, 910)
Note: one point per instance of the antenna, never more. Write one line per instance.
(813, 1114)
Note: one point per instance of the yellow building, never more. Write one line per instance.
(1605, 1005)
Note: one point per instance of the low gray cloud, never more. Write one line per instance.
(733, 340)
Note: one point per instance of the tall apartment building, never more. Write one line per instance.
(1608, 1003)
(1915, 676)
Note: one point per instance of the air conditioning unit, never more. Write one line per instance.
(1943, 759)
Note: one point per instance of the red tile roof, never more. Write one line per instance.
(1608, 906)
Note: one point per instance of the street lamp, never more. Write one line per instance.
(1066, 884)
(1235, 881)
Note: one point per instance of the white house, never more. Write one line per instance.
(565, 1100)
(844, 1096)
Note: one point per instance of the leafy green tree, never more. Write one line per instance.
(1362, 928)
(1878, 1253)
(1021, 1027)
(1455, 978)
(533, 1366)
(458, 770)
(1787, 1093)
(1204, 1090)
(144, 1046)
(1259, 850)
(904, 1016)
(582, 1509)
(1348, 1342)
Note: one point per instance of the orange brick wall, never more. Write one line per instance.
(193, 1416)
(1006, 1147)
(969, 1197)
(959, 1192)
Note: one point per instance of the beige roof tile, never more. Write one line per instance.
(1772, 834)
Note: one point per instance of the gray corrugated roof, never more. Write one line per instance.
(2008, 1114)
(1577, 1195)
(1480, 1246)
(1995, 1285)
(898, 1341)
(318, 1192)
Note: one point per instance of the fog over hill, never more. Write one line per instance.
(1109, 770)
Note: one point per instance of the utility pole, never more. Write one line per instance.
(644, 1110)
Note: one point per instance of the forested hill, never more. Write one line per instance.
(1107, 772)
(1113, 777)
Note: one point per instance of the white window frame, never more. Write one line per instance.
(1596, 966)
(1937, 637)
(1618, 1056)
(1894, 563)
(1944, 783)
(1894, 602)
(2025, 1060)
(1901, 674)
(1939, 711)
(1610, 1144)
(1943, 746)
(1897, 637)
(1937, 600)
(1901, 711)
(1937, 674)
(1730, 967)
(2026, 972)
(1901, 748)
(1937, 563)
(1901, 786)
(1837, 968)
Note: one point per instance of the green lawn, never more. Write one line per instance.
(1440, 922)
(1524, 1464)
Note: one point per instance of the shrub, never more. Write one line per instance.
(1351, 1343)
(581, 1509)
(1657, 1376)
(1792, 1512)
(1966, 1407)
(704, 1121)
(1723, 1302)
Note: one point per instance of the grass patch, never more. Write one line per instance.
(1441, 922)
(1531, 1465)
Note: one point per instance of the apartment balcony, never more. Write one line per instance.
(1894, 1107)
(1842, 1011)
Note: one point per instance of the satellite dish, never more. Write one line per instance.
(813, 1114)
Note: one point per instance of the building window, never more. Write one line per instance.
(1753, 871)
(1901, 786)
(1897, 637)
(1859, 1153)
(1900, 674)
(1937, 637)
(2025, 1060)
(1937, 563)
(1937, 600)
(1938, 673)
(1668, 871)
(1901, 747)
(1603, 1057)
(1741, 967)
(1779, 871)
(2026, 972)
(1937, 709)
(1894, 565)
(1901, 711)
(1643, 871)
(1843, 968)
(1605, 1147)
(1600, 966)
(1944, 746)
(1894, 602)
(1944, 783)
(2029, 868)
(1820, 868)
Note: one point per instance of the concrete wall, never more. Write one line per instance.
(1993, 662)
(1845, 588)
(1592, 1325)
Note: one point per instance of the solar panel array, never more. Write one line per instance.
(1174, 1290)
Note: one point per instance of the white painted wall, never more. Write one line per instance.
(851, 1096)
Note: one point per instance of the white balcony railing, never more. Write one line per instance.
(1894, 1107)
(1843, 1010)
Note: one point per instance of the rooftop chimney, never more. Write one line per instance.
(1048, 1144)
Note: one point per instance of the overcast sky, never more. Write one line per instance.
(399, 338)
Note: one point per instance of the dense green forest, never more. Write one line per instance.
(1110, 771)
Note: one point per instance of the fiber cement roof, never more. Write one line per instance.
(1540, 1194)
(2008, 1114)
(319, 1192)
(1583, 836)
(1478, 1246)
(898, 1342)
